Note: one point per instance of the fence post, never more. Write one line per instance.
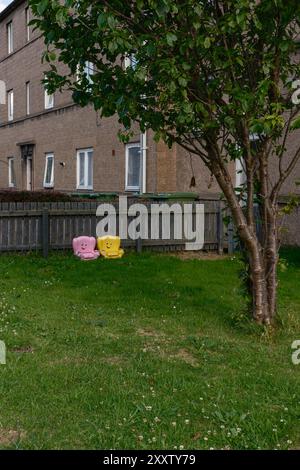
(45, 232)
(139, 245)
(220, 228)
(231, 246)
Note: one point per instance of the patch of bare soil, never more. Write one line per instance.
(10, 436)
(187, 255)
(149, 332)
(23, 349)
(114, 360)
(185, 356)
(69, 360)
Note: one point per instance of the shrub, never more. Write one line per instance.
(33, 196)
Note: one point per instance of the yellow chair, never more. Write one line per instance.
(109, 246)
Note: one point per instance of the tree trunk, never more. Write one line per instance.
(258, 284)
(263, 261)
(262, 255)
(272, 288)
(271, 262)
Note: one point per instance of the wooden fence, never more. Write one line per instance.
(30, 226)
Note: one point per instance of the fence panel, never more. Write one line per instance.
(42, 226)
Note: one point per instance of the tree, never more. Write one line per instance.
(207, 75)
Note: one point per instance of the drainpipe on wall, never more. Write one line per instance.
(143, 172)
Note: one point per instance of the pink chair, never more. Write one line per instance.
(84, 248)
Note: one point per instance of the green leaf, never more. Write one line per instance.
(171, 38)
(42, 6)
(52, 55)
(182, 81)
(101, 20)
(207, 43)
(295, 124)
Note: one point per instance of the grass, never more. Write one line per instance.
(145, 352)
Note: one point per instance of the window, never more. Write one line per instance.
(85, 169)
(49, 171)
(10, 38)
(27, 89)
(86, 70)
(133, 166)
(130, 61)
(27, 19)
(49, 100)
(10, 105)
(89, 70)
(11, 172)
(240, 175)
(254, 142)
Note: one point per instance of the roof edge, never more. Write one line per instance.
(10, 8)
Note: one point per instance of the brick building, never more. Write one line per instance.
(49, 142)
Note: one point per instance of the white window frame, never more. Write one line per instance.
(27, 19)
(11, 172)
(49, 100)
(240, 175)
(128, 147)
(50, 184)
(10, 105)
(89, 70)
(27, 91)
(254, 137)
(130, 61)
(10, 37)
(86, 151)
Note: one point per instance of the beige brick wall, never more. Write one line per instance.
(62, 130)
(166, 168)
(189, 165)
(67, 128)
(292, 145)
(290, 228)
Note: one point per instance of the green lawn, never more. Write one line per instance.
(145, 352)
